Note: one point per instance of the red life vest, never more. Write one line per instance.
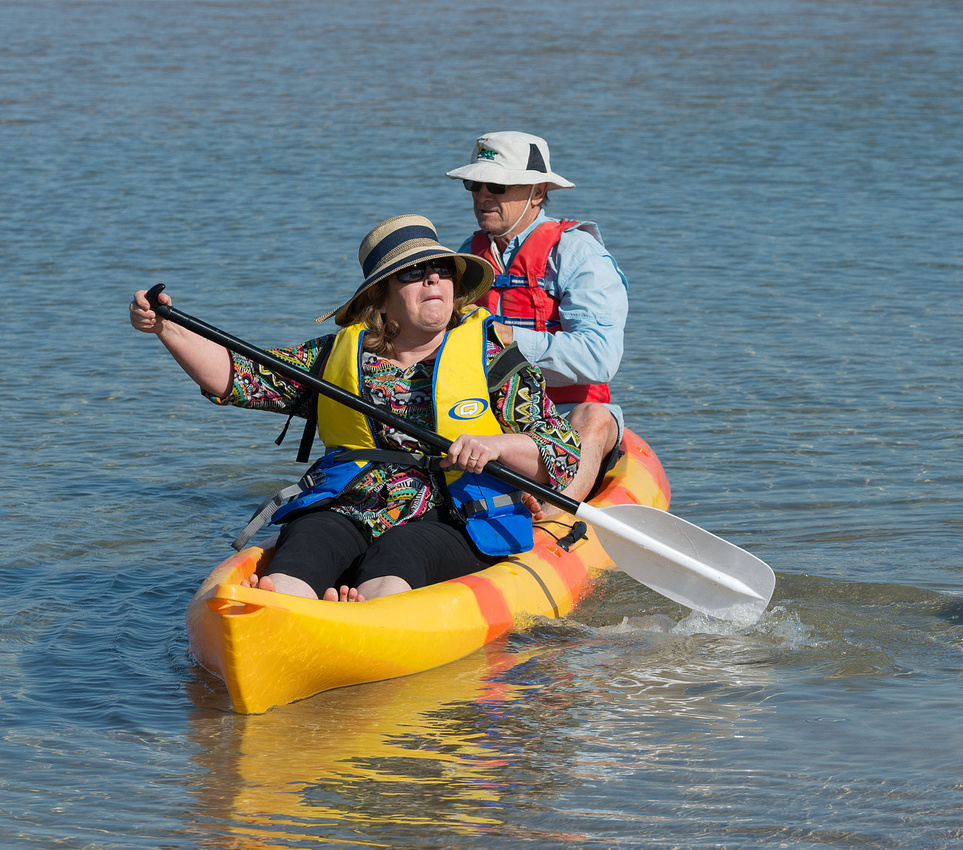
(518, 298)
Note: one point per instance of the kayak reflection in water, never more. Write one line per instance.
(385, 517)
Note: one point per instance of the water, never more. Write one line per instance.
(780, 182)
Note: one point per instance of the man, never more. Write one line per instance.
(561, 294)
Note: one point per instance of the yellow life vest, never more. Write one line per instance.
(459, 386)
(494, 516)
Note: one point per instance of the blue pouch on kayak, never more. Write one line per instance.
(327, 479)
(495, 518)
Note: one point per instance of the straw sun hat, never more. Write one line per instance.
(511, 159)
(403, 241)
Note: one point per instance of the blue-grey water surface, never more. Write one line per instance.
(780, 180)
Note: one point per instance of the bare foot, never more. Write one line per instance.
(343, 594)
(535, 507)
(549, 511)
(265, 583)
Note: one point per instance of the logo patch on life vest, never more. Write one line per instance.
(469, 408)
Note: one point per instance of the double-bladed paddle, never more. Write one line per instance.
(673, 557)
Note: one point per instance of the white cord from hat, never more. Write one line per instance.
(510, 229)
(497, 254)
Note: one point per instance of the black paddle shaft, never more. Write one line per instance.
(332, 391)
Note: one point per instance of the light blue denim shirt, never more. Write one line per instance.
(593, 303)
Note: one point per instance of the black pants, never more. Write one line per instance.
(325, 549)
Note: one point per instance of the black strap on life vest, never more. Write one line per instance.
(506, 364)
(306, 405)
(469, 509)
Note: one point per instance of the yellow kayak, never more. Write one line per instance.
(271, 649)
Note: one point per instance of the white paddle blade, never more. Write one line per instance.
(682, 561)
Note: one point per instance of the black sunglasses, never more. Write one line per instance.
(442, 267)
(494, 188)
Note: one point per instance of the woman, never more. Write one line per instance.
(384, 520)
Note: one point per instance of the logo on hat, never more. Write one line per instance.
(468, 408)
(482, 152)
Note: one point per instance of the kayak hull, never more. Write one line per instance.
(271, 648)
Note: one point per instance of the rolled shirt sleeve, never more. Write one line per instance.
(256, 387)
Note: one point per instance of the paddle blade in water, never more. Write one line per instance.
(682, 561)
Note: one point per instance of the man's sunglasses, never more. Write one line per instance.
(442, 267)
(494, 188)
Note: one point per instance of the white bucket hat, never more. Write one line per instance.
(512, 159)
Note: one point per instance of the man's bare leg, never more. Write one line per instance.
(598, 431)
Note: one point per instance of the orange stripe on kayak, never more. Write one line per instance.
(573, 571)
(654, 465)
(491, 603)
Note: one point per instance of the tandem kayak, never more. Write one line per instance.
(271, 648)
